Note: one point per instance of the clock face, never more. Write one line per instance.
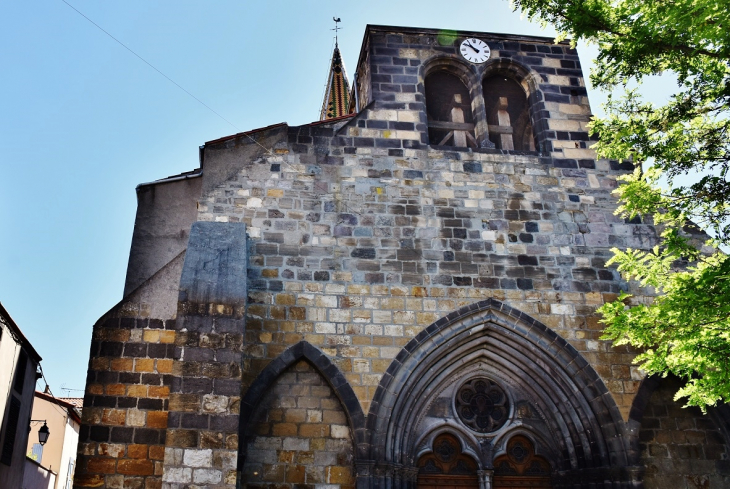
(474, 50)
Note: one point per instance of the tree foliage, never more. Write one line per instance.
(685, 330)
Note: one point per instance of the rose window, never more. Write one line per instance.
(482, 405)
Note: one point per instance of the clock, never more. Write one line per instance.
(474, 50)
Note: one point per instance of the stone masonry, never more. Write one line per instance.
(299, 434)
(337, 279)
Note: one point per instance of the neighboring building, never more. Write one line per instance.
(58, 455)
(399, 297)
(18, 366)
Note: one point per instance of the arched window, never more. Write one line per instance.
(448, 105)
(508, 114)
(521, 467)
(447, 466)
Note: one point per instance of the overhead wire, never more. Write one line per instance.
(48, 387)
(164, 75)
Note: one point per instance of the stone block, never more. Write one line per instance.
(114, 450)
(144, 365)
(137, 391)
(157, 419)
(122, 364)
(181, 438)
(158, 392)
(215, 404)
(340, 431)
(185, 402)
(135, 417)
(296, 444)
(207, 476)
(89, 480)
(215, 264)
(284, 429)
(157, 452)
(198, 458)
(97, 465)
(339, 475)
(180, 475)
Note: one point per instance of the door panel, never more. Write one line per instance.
(446, 466)
(521, 467)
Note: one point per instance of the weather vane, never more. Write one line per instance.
(337, 27)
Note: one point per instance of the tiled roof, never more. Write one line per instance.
(77, 402)
(337, 95)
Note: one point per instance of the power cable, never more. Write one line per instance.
(48, 387)
(164, 75)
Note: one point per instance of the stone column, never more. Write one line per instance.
(485, 478)
(364, 474)
(410, 476)
(479, 113)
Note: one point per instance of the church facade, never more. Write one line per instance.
(400, 295)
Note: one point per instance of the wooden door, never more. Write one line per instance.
(446, 466)
(520, 467)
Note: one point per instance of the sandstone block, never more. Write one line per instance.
(157, 419)
(181, 475)
(135, 417)
(97, 465)
(198, 458)
(207, 476)
(111, 449)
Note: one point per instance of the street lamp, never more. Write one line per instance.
(43, 432)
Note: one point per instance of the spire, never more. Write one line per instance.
(337, 94)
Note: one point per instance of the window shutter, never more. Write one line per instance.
(20, 372)
(10, 430)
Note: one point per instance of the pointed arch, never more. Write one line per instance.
(468, 443)
(530, 124)
(719, 414)
(582, 418)
(324, 366)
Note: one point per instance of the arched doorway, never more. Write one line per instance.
(521, 467)
(446, 466)
(518, 374)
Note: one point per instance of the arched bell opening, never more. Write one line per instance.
(449, 110)
(508, 115)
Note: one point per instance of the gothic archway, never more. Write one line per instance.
(323, 366)
(553, 390)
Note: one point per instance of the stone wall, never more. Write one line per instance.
(124, 420)
(357, 255)
(681, 447)
(299, 435)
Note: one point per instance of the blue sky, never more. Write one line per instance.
(83, 121)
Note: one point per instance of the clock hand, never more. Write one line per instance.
(475, 49)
